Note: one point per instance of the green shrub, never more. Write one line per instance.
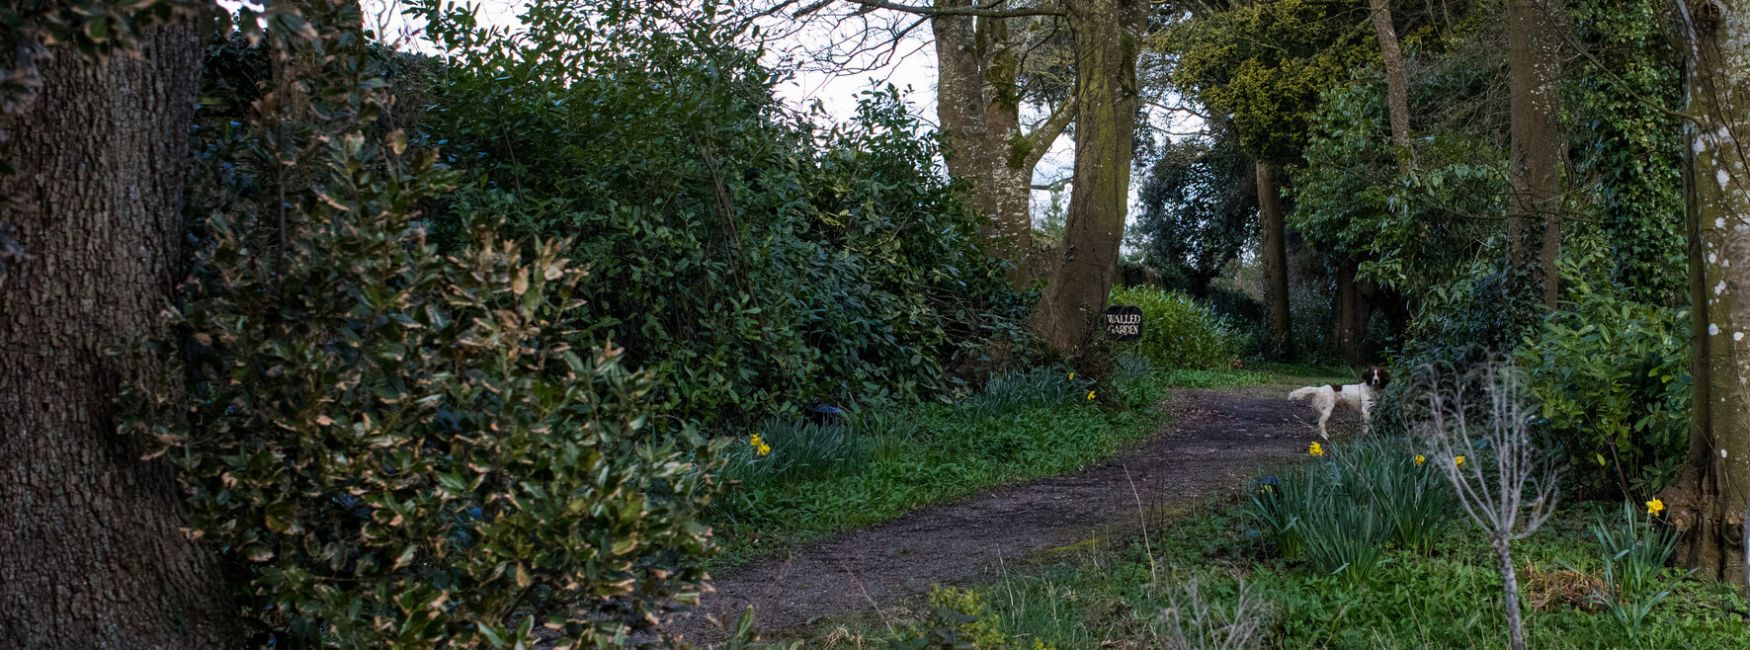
(752, 261)
(396, 448)
(1179, 333)
(1612, 377)
(386, 446)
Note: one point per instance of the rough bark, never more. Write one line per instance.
(92, 552)
(1397, 94)
(979, 106)
(1535, 193)
(1275, 257)
(1708, 501)
(1106, 46)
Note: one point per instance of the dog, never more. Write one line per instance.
(1357, 396)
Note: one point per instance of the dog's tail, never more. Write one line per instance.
(1303, 393)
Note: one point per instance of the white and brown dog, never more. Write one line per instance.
(1358, 396)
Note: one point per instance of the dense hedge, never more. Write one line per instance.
(753, 261)
(1178, 332)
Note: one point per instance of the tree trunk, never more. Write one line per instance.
(1275, 257)
(960, 107)
(1349, 319)
(1397, 93)
(92, 551)
(1708, 501)
(1536, 192)
(1106, 46)
(1510, 592)
(978, 101)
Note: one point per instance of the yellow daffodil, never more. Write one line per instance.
(759, 445)
(1420, 459)
(1315, 450)
(1072, 375)
(1458, 460)
(1090, 396)
(1655, 507)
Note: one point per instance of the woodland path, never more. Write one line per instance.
(1214, 442)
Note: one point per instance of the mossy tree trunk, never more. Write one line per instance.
(92, 554)
(978, 102)
(1107, 40)
(1709, 499)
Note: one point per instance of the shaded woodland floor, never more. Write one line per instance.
(1214, 442)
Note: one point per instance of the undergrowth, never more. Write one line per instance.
(1117, 596)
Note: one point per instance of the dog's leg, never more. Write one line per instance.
(1366, 417)
(1324, 414)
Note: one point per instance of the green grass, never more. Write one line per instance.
(1030, 426)
(1114, 597)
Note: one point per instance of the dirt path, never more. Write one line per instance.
(1215, 441)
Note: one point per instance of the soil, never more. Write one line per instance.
(1213, 444)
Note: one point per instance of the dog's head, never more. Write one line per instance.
(1376, 377)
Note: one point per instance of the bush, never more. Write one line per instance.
(1179, 333)
(1612, 377)
(402, 449)
(753, 262)
(389, 447)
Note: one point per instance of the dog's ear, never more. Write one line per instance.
(1367, 375)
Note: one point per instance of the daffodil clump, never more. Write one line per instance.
(759, 445)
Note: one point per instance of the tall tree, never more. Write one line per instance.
(1354, 299)
(986, 53)
(93, 551)
(978, 101)
(1709, 499)
(1536, 142)
(1107, 37)
(1275, 250)
(1397, 85)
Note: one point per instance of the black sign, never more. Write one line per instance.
(1124, 322)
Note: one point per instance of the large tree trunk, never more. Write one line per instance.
(1536, 191)
(978, 102)
(1106, 43)
(1397, 93)
(1275, 257)
(960, 106)
(91, 552)
(1709, 498)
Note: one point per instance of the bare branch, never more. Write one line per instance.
(982, 12)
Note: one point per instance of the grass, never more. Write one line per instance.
(1119, 596)
(1026, 426)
